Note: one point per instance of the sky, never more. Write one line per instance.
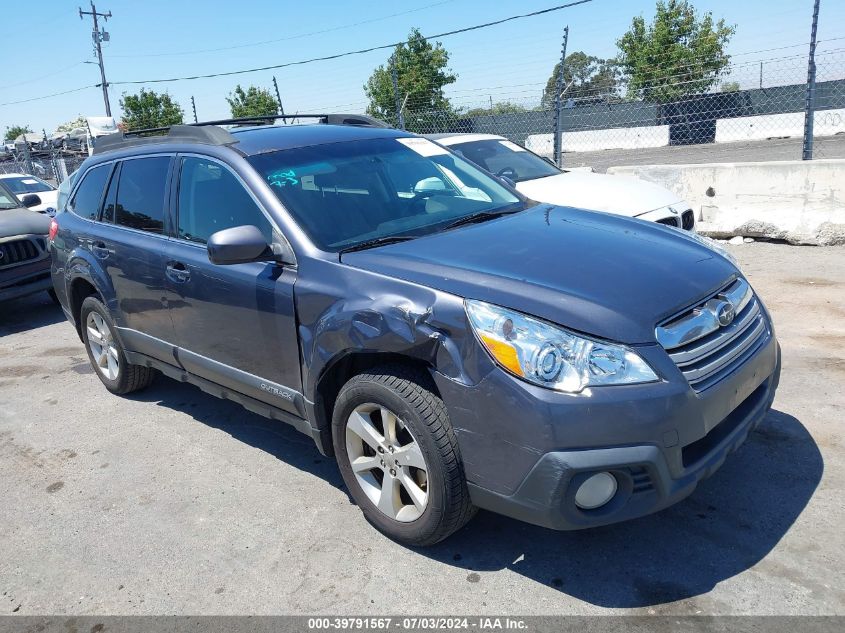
(154, 39)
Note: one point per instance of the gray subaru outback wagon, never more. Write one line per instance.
(454, 345)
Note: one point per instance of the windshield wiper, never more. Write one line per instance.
(483, 216)
(377, 241)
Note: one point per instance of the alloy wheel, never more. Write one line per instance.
(102, 346)
(387, 461)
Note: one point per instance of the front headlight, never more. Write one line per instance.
(550, 356)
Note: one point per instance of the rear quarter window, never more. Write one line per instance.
(87, 198)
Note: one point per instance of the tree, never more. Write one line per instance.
(252, 102)
(678, 54)
(422, 73)
(501, 107)
(729, 86)
(583, 76)
(14, 131)
(78, 122)
(149, 109)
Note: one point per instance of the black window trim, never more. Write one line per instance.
(72, 195)
(174, 192)
(166, 233)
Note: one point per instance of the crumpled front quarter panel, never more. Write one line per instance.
(343, 310)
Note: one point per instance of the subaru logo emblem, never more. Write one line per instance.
(725, 314)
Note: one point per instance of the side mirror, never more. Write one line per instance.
(31, 200)
(238, 245)
(429, 186)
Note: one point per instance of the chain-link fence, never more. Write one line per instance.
(53, 166)
(756, 111)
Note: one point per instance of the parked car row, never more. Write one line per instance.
(541, 180)
(24, 257)
(24, 184)
(453, 343)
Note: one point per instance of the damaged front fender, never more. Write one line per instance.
(356, 311)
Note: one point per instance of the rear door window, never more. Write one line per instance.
(86, 201)
(141, 189)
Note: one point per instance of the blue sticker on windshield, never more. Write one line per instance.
(282, 178)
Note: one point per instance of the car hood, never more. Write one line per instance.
(621, 195)
(22, 222)
(604, 275)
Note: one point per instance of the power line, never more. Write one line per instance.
(52, 74)
(55, 94)
(356, 52)
(288, 38)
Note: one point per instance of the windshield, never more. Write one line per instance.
(26, 184)
(8, 199)
(504, 158)
(344, 194)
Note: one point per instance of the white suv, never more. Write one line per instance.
(539, 179)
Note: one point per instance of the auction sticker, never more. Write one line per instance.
(423, 146)
(513, 146)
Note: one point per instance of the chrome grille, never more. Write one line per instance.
(20, 250)
(688, 220)
(705, 349)
(668, 222)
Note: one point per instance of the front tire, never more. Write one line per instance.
(106, 353)
(399, 456)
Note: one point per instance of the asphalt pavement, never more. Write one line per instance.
(173, 502)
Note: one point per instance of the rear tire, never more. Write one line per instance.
(106, 353)
(407, 478)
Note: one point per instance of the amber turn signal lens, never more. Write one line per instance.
(504, 353)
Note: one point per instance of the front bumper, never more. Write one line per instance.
(680, 216)
(26, 279)
(526, 450)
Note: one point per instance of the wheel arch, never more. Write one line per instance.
(340, 371)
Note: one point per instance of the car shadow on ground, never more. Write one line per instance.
(29, 313)
(729, 524)
(274, 437)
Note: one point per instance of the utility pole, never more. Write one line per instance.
(278, 97)
(810, 107)
(194, 108)
(99, 36)
(394, 78)
(558, 140)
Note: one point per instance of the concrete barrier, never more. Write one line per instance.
(592, 140)
(801, 202)
(761, 127)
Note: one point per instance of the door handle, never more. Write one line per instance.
(178, 272)
(99, 249)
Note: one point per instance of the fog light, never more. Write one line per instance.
(596, 491)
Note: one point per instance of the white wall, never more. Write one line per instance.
(591, 140)
(802, 202)
(825, 123)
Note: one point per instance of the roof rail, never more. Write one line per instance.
(174, 134)
(209, 133)
(362, 120)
